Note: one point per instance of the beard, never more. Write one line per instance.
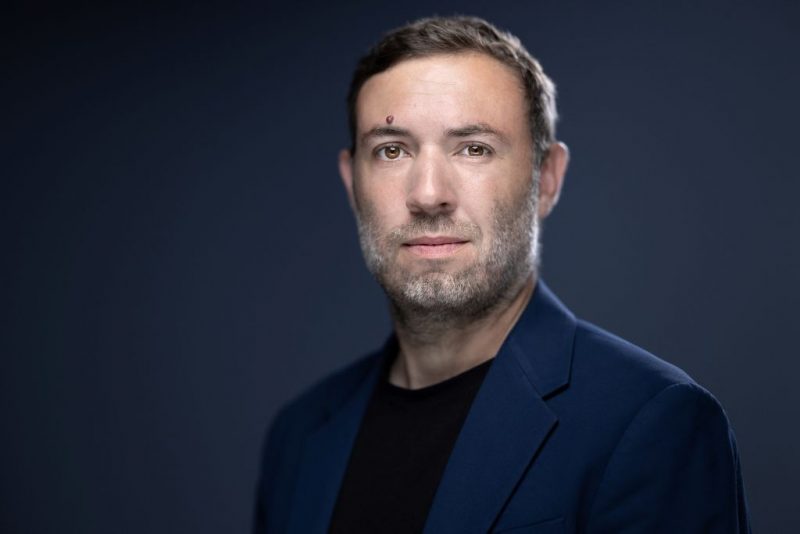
(439, 295)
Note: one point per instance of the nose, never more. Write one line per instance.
(431, 184)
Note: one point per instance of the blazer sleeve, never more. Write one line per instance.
(675, 469)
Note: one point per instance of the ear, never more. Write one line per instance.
(554, 167)
(346, 172)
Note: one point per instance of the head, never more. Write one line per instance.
(454, 35)
(453, 164)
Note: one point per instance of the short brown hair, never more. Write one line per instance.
(448, 35)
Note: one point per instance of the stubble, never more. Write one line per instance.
(438, 296)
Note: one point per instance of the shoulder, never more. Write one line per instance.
(651, 388)
(619, 383)
(605, 358)
(660, 430)
(312, 406)
(288, 433)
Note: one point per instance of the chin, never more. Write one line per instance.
(438, 290)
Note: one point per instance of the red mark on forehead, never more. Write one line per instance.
(389, 119)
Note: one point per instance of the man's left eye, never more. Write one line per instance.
(476, 150)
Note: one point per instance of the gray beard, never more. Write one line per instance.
(436, 299)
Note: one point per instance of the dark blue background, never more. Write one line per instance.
(179, 258)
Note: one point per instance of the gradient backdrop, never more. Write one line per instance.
(179, 258)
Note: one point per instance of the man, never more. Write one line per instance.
(491, 408)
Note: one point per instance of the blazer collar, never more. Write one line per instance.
(326, 453)
(542, 341)
(507, 424)
(508, 421)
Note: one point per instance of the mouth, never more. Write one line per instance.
(435, 246)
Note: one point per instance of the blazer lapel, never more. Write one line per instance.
(509, 420)
(325, 458)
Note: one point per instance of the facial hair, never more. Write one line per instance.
(438, 295)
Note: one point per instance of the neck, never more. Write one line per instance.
(435, 349)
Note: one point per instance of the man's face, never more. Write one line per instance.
(442, 183)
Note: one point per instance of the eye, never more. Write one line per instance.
(476, 151)
(389, 152)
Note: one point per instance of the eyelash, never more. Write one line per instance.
(381, 155)
(486, 150)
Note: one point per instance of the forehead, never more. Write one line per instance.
(445, 90)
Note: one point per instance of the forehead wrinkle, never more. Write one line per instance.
(431, 91)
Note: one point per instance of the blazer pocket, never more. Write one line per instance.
(550, 526)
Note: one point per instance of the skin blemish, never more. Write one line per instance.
(389, 119)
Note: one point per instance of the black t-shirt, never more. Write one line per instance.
(400, 453)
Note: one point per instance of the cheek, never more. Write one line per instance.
(380, 205)
(479, 199)
(493, 203)
(383, 191)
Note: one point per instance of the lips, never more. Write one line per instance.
(435, 241)
(435, 247)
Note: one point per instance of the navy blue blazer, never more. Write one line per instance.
(572, 430)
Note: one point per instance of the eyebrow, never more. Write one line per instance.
(385, 131)
(480, 128)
